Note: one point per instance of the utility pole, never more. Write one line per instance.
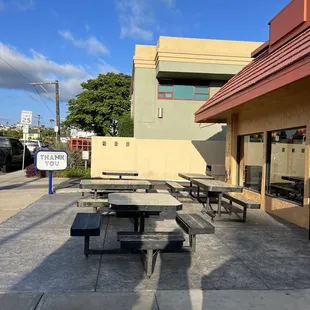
(57, 111)
(56, 83)
(39, 117)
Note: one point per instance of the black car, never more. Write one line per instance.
(11, 154)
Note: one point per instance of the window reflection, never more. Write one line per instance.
(286, 154)
(251, 160)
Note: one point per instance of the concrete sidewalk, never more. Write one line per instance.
(18, 192)
(163, 300)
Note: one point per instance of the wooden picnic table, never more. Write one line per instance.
(218, 187)
(105, 184)
(120, 173)
(142, 203)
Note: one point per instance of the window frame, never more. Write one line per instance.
(172, 93)
(240, 142)
(268, 165)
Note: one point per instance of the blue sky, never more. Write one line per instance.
(73, 40)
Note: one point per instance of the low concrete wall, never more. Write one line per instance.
(154, 159)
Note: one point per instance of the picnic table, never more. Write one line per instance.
(115, 185)
(120, 173)
(143, 203)
(292, 178)
(218, 187)
(192, 176)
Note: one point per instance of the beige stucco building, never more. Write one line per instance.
(266, 107)
(171, 80)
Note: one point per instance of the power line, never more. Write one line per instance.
(44, 102)
(15, 70)
(23, 76)
(47, 92)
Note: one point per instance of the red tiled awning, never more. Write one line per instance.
(267, 72)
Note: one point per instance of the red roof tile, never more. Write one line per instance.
(262, 67)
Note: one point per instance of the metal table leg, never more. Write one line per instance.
(142, 221)
(136, 222)
(219, 204)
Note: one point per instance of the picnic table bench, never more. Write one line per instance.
(243, 202)
(150, 243)
(93, 203)
(115, 185)
(176, 188)
(194, 224)
(120, 173)
(86, 225)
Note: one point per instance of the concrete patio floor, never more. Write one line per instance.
(37, 254)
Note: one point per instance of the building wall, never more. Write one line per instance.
(285, 108)
(215, 60)
(178, 115)
(154, 159)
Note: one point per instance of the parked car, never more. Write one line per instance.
(34, 145)
(11, 154)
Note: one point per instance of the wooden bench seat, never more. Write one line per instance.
(240, 200)
(194, 224)
(150, 243)
(86, 225)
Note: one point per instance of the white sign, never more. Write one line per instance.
(26, 117)
(51, 160)
(85, 155)
(25, 128)
(56, 129)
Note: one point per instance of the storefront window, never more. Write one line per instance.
(286, 164)
(251, 150)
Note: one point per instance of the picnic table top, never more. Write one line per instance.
(217, 186)
(191, 176)
(143, 202)
(121, 172)
(115, 184)
(293, 178)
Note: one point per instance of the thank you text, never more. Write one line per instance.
(51, 160)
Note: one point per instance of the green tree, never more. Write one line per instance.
(12, 133)
(102, 103)
(125, 126)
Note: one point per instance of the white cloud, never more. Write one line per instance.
(138, 19)
(169, 3)
(92, 44)
(22, 5)
(38, 67)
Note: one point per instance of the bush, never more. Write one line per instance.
(32, 172)
(74, 157)
(73, 172)
(125, 126)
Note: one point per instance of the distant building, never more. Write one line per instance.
(76, 133)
